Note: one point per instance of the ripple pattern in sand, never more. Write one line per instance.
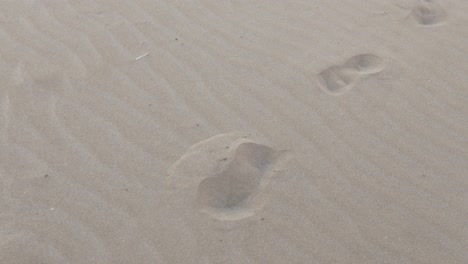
(87, 132)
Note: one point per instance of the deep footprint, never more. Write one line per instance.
(338, 79)
(235, 192)
(428, 13)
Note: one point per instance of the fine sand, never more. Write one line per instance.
(233, 131)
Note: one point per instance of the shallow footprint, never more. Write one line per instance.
(428, 13)
(365, 64)
(234, 193)
(338, 79)
(227, 175)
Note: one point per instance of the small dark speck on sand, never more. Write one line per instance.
(263, 218)
(227, 147)
(224, 159)
(47, 175)
(126, 189)
(198, 124)
(176, 39)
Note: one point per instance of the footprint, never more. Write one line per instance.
(232, 193)
(338, 79)
(428, 13)
(231, 175)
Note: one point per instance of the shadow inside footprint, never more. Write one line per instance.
(338, 79)
(235, 192)
(428, 13)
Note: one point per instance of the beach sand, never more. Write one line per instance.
(233, 131)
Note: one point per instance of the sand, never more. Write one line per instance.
(233, 131)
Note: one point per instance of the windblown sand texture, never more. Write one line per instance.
(233, 131)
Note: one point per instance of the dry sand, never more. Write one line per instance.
(234, 131)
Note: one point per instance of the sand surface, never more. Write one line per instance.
(234, 131)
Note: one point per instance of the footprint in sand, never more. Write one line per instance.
(338, 79)
(230, 175)
(428, 13)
